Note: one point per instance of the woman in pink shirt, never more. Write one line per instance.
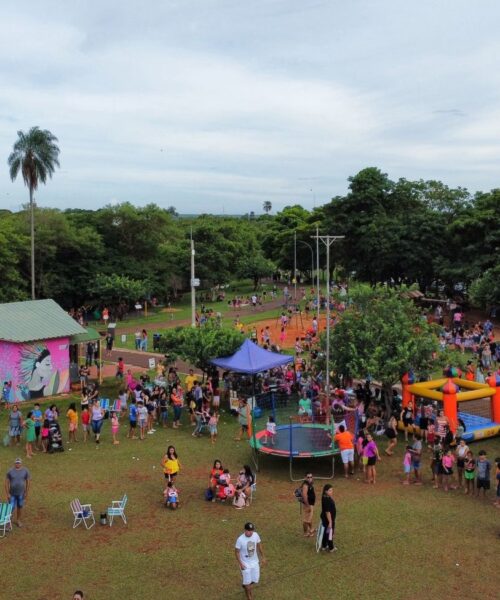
(370, 452)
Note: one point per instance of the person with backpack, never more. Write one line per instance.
(308, 500)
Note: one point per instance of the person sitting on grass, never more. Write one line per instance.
(246, 479)
(215, 472)
(239, 499)
(171, 495)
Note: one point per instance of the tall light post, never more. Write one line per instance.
(328, 240)
(193, 290)
(295, 265)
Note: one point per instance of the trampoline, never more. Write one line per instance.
(298, 440)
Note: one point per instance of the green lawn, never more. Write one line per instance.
(394, 542)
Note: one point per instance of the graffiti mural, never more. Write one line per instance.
(36, 369)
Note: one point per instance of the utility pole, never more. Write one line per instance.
(317, 273)
(295, 264)
(328, 240)
(193, 290)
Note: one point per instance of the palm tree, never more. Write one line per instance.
(267, 206)
(36, 155)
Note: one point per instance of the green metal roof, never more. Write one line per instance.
(90, 335)
(36, 320)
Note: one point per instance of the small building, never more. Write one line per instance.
(37, 346)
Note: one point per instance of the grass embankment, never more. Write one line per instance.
(395, 542)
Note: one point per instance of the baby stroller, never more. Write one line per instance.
(55, 438)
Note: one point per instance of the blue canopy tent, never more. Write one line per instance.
(252, 359)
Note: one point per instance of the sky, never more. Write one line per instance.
(219, 105)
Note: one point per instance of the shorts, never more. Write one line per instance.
(371, 461)
(407, 422)
(460, 463)
(469, 475)
(37, 432)
(244, 427)
(250, 574)
(85, 426)
(347, 455)
(72, 427)
(114, 430)
(142, 422)
(448, 472)
(170, 476)
(213, 429)
(172, 500)
(364, 460)
(407, 469)
(16, 501)
(307, 514)
(483, 483)
(423, 423)
(133, 424)
(415, 464)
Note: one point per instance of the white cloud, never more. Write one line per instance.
(195, 100)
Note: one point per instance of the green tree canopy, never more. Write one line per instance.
(198, 345)
(382, 335)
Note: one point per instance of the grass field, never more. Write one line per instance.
(395, 542)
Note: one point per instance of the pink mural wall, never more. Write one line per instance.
(36, 369)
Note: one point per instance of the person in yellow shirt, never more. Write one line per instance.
(73, 422)
(189, 381)
(170, 463)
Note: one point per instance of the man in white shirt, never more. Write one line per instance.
(248, 550)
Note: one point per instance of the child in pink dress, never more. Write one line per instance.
(115, 425)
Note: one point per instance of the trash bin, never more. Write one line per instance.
(104, 519)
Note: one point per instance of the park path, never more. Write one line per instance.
(137, 360)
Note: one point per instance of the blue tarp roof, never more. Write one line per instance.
(250, 358)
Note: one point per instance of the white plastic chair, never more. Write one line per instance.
(253, 488)
(117, 509)
(5, 518)
(82, 513)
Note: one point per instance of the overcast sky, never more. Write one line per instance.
(218, 105)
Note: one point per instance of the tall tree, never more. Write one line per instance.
(267, 206)
(36, 155)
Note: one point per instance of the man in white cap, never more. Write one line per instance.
(248, 550)
(17, 483)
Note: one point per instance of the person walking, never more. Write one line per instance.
(308, 502)
(248, 551)
(17, 483)
(328, 516)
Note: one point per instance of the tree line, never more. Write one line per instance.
(445, 239)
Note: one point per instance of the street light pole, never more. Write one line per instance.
(295, 264)
(328, 240)
(193, 290)
(317, 273)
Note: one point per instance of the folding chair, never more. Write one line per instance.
(117, 509)
(253, 488)
(104, 403)
(82, 513)
(5, 518)
(117, 404)
(319, 536)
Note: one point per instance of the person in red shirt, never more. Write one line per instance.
(85, 422)
(345, 441)
(120, 368)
